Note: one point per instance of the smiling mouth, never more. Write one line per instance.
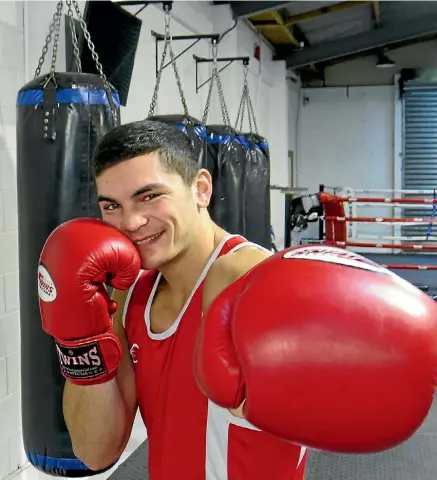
(147, 240)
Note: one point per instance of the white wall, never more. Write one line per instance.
(345, 138)
(11, 75)
(23, 29)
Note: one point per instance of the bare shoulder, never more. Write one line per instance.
(227, 268)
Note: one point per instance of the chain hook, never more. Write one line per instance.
(214, 50)
(167, 47)
(167, 22)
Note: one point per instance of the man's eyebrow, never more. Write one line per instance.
(140, 191)
(104, 198)
(148, 188)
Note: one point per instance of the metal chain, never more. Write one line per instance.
(158, 79)
(215, 76)
(74, 37)
(95, 56)
(178, 81)
(211, 85)
(91, 45)
(246, 102)
(176, 72)
(167, 45)
(246, 106)
(55, 45)
(52, 28)
(224, 109)
(252, 117)
(241, 108)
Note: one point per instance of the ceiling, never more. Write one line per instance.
(311, 35)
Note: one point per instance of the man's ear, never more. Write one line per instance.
(203, 188)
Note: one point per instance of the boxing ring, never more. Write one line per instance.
(345, 221)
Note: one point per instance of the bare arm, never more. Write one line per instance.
(99, 418)
(227, 269)
(224, 271)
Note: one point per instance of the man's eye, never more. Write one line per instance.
(151, 196)
(110, 206)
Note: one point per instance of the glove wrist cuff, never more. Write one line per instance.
(89, 361)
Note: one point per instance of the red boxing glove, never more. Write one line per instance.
(327, 348)
(78, 258)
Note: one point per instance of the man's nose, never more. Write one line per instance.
(133, 222)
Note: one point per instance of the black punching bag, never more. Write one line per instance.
(229, 160)
(257, 189)
(58, 127)
(196, 133)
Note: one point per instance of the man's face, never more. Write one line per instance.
(152, 206)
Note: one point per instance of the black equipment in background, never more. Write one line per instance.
(115, 34)
(257, 189)
(228, 158)
(256, 185)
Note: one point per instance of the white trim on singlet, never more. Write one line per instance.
(170, 331)
(173, 328)
(129, 294)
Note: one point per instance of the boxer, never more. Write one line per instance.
(237, 359)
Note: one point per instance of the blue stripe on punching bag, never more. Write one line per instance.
(55, 464)
(68, 95)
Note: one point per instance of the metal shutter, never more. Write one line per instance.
(419, 150)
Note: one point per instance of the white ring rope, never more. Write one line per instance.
(406, 192)
(353, 218)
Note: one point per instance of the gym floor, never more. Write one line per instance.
(414, 460)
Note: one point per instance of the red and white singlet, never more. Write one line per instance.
(189, 436)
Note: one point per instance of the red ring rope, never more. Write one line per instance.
(410, 267)
(326, 198)
(336, 220)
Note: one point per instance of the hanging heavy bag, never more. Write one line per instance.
(195, 131)
(60, 119)
(228, 160)
(193, 128)
(257, 181)
(227, 202)
(257, 191)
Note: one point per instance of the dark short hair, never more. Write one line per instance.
(147, 136)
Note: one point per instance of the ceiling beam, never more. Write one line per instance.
(337, 7)
(362, 42)
(291, 20)
(248, 9)
(278, 17)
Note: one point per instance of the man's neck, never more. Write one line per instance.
(182, 274)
